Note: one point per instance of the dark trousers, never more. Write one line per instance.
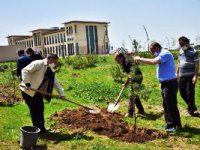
(135, 100)
(36, 107)
(187, 90)
(169, 95)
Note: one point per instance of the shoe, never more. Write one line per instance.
(168, 126)
(43, 131)
(194, 113)
(141, 112)
(174, 129)
(170, 130)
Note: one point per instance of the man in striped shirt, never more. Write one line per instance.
(187, 73)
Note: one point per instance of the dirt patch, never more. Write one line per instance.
(7, 95)
(76, 74)
(105, 123)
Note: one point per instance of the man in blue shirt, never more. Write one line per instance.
(169, 85)
(22, 62)
(187, 73)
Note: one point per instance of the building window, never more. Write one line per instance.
(70, 49)
(75, 28)
(92, 39)
(56, 41)
(64, 37)
(69, 30)
(52, 39)
(77, 49)
(58, 38)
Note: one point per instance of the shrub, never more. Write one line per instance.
(68, 60)
(78, 62)
(91, 60)
(5, 66)
(117, 73)
(81, 62)
(103, 59)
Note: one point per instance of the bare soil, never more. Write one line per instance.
(105, 123)
(7, 95)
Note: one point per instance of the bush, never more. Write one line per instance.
(117, 73)
(81, 62)
(5, 66)
(91, 60)
(102, 59)
(78, 62)
(68, 60)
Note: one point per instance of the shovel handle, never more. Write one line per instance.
(57, 96)
(125, 84)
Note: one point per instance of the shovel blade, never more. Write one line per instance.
(112, 107)
(94, 110)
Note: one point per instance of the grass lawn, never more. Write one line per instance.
(95, 86)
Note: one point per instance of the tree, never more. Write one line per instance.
(147, 35)
(135, 45)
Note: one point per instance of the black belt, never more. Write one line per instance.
(167, 81)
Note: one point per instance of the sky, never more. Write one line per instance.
(165, 20)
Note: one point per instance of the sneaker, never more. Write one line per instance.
(170, 130)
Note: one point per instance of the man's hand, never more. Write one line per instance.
(28, 86)
(194, 79)
(136, 58)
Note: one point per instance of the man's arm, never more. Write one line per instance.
(149, 61)
(177, 71)
(196, 72)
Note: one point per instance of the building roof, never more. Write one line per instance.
(18, 36)
(79, 21)
(39, 30)
(54, 31)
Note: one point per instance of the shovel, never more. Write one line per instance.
(93, 110)
(112, 107)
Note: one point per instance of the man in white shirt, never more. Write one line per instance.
(39, 75)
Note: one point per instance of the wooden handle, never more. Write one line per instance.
(57, 96)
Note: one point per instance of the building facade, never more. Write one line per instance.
(75, 38)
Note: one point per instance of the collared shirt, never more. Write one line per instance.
(187, 60)
(166, 68)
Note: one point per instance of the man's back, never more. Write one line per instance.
(187, 59)
(22, 62)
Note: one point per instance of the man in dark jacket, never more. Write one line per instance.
(22, 62)
(33, 54)
(134, 80)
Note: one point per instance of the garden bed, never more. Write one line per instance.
(8, 96)
(108, 124)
